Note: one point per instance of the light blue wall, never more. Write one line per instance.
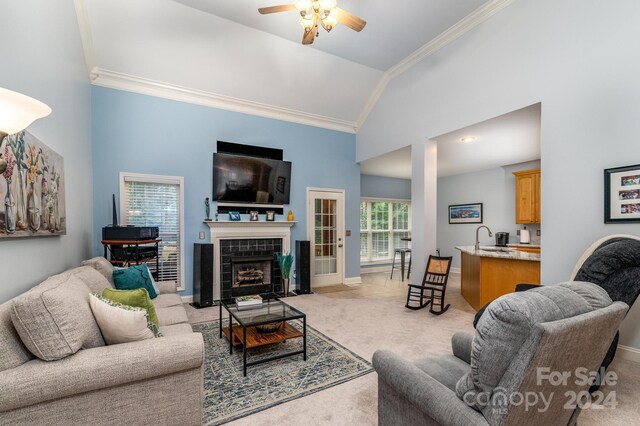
(41, 56)
(144, 134)
(496, 190)
(385, 187)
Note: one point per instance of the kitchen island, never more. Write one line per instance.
(491, 272)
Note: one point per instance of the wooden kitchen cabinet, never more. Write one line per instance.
(527, 196)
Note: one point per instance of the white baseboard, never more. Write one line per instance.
(187, 299)
(455, 270)
(352, 280)
(629, 353)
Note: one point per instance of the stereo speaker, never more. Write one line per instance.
(202, 275)
(303, 266)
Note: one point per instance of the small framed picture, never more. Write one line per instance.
(234, 216)
(622, 194)
(465, 213)
(253, 216)
(271, 216)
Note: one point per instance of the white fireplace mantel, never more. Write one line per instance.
(232, 230)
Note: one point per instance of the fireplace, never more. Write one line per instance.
(249, 266)
(251, 271)
(244, 239)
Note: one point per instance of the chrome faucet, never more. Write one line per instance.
(478, 237)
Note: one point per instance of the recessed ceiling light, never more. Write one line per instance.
(468, 139)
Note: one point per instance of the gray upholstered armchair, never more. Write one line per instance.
(521, 338)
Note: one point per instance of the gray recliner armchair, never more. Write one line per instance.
(500, 376)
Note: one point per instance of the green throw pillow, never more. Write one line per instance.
(134, 277)
(138, 298)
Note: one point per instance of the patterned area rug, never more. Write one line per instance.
(230, 396)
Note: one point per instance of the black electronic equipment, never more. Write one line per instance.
(130, 233)
(245, 180)
(303, 266)
(202, 275)
(128, 253)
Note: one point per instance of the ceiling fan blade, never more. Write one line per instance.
(309, 36)
(276, 9)
(349, 20)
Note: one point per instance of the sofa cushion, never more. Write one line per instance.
(507, 323)
(171, 315)
(121, 323)
(167, 300)
(54, 319)
(92, 278)
(137, 298)
(445, 369)
(101, 265)
(13, 352)
(176, 329)
(134, 277)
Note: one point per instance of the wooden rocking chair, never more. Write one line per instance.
(434, 282)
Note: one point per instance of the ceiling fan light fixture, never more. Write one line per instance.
(307, 23)
(329, 22)
(303, 5)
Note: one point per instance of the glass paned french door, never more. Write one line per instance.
(327, 219)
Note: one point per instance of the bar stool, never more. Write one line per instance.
(402, 252)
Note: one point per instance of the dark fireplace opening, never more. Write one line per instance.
(251, 271)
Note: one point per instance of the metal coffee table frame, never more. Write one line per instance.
(272, 301)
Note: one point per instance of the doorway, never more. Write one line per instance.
(325, 218)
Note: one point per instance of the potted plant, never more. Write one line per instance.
(285, 260)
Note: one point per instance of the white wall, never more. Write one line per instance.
(496, 190)
(581, 60)
(41, 56)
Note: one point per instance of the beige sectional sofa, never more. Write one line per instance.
(149, 382)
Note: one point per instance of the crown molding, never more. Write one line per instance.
(130, 83)
(373, 99)
(466, 24)
(85, 33)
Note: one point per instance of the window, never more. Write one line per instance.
(383, 224)
(149, 200)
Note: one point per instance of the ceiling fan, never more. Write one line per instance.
(314, 12)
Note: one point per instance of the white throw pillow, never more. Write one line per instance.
(120, 323)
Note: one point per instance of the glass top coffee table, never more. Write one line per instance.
(245, 325)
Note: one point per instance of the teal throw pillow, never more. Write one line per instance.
(133, 278)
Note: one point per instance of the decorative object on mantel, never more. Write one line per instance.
(290, 216)
(271, 215)
(216, 215)
(253, 216)
(234, 216)
(34, 201)
(285, 260)
(207, 208)
(622, 194)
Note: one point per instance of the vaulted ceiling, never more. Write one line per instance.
(223, 53)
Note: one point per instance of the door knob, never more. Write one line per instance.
(339, 245)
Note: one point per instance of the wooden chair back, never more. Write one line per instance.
(437, 272)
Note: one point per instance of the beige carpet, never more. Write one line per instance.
(372, 316)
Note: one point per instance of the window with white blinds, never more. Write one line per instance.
(150, 200)
(383, 225)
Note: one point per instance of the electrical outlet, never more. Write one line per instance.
(201, 235)
(538, 233)
(518, 232)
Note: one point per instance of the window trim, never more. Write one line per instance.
(390, 227)
(148, 178)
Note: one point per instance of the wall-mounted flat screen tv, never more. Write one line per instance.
(250, 180)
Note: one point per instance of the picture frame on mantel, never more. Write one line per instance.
(622, 194)
(465, 213)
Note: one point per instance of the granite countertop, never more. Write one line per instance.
(523, 245)
(500, 252)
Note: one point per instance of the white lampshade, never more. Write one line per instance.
(17, 111)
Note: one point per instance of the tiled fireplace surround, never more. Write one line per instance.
(248, 247)
(244, 238)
